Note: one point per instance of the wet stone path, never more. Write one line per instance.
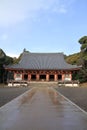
(41, 108)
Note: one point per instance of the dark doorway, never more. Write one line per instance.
(33, 77)
(59, 77)
(51, 77)
(42, 77)
(26, 77)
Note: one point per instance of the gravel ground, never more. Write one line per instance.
(8, 93)
(76, 94)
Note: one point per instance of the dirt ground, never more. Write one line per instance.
(83, 84)
(76, 94)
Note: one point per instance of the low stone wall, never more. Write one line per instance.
(17, 83)
(68, 83)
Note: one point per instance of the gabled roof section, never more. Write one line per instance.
(42, 61)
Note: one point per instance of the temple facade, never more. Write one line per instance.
(42, 67)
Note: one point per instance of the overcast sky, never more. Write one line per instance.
(42, 25)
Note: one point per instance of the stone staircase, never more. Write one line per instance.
(43, 84)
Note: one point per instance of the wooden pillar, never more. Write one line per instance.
(22, 76)
(47, 77)
(55, 77)
(70, 76)
(37, 77)
(14, 75)
(63, 76)
(29, 77)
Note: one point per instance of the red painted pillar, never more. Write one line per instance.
(63, 76)
(29, 77)
(55, 77)
(37, 77)
(14, 75)
(22, 76)
(47, 77)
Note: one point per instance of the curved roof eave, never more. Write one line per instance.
(42, 61)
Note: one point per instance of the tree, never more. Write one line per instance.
(4, 60)
(83, 42)
(83, 72)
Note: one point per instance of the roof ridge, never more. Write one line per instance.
(43, 53)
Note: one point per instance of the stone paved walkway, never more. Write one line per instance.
(41, 109)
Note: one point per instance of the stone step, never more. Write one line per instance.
(43, 84)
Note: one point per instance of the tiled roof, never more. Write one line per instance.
(42, 61)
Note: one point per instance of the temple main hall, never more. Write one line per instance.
(42, 67)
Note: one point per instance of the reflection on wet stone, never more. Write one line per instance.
(54, 97)
(26, 98)
(42, 108)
